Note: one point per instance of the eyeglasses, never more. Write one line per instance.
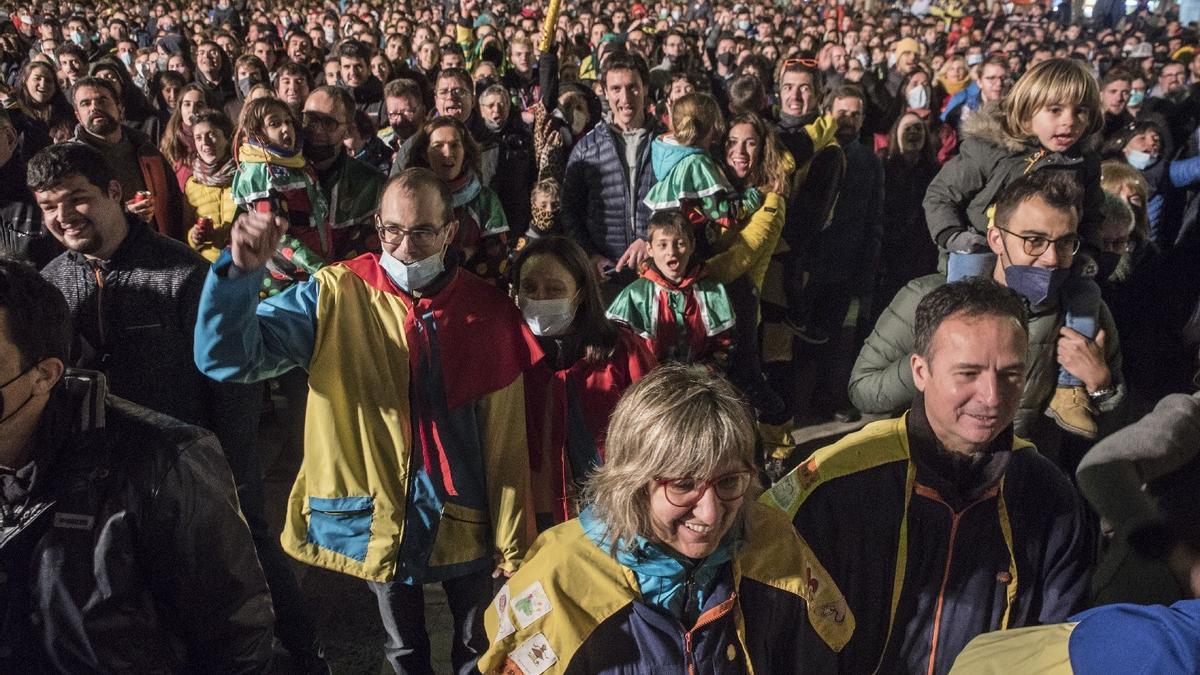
(319, 121)
(420, 237)
(1035, 245)
(685, 492)
(457, 92)
(1117, 245)
(807, 63)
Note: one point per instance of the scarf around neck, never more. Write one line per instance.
(257, 153)
(220, 175)
(464, 188)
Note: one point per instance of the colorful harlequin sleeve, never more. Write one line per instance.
(240, 339)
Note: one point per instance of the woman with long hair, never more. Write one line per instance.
(177, 144)
(41, 99)
(759, 167)
(445, 147)
(589, 362)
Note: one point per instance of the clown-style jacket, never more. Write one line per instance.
(413, 469)
(689, 321)
(573, 608)
(567, 408)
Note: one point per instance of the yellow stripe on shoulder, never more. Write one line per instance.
(874, 445)
(1037, 649)
(777, 556)
(566, 588)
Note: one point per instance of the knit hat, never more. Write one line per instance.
(907, 45)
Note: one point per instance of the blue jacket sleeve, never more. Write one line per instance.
(1184, 172)
(239, 339)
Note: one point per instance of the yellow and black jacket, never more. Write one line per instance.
(572, 608)
(933, 548)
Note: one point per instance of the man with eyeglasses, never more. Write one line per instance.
(406, 113)
(351, 188)
(988, 87)
(454, 96)
(943, 524)
(414, 471)
(1034, 238)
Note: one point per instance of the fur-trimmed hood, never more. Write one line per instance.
(987, 125)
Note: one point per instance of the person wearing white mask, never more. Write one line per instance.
(413, 469)
(589, 363)
(1145, 145)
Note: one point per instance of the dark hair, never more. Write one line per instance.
(747, 95)
(342, 97)
(845, 91)
(295, 70)
(625, 61)
(413, 179)
(353, 49)
(54, 164)
(464, 78)
(973, 297)
(39, 323)
(218, 119)
(418, 155)
(673, 222)
(96, 83)
(1056, 188)
(598, 335)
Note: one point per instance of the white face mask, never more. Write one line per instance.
(549, 318)
(413, 276)
(918, 99)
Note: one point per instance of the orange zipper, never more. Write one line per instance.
(100, 302)
(704, 619)
(955, 516)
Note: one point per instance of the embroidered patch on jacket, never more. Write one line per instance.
(534, 656)
(506, 626)
(531, 604)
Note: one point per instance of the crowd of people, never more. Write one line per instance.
(538, 296)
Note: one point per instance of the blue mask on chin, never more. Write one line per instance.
(1036, 284)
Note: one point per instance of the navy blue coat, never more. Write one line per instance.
(597, 210)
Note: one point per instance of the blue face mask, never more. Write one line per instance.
(743, 25)
(1136, 97)
(1036, 284)
(1140, 160)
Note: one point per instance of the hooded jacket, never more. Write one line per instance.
(932, 547)
(958, 200)
(127, 551)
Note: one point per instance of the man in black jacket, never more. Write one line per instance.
(21, 231)
(133, 297)
(121, 545)
(942, 525)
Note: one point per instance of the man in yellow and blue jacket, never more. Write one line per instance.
(413, 471)
(942, 525)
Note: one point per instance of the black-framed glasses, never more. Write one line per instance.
(1035, 244)
(320, 121)
(1116, 245)
(456, 92)
(421, 237)
(684, 492)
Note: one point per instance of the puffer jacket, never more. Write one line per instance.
(205, 201)
(882, 380)
(129, 554)
(597, 210)
(958, 200)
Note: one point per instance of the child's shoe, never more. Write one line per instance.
(1072, 410)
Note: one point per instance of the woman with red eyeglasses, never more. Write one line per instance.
(672, 566)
